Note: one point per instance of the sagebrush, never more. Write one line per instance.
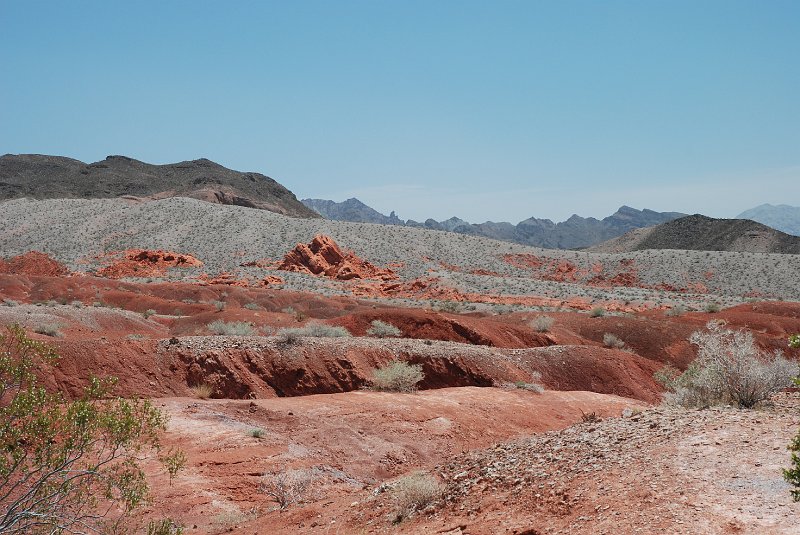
(233, 328)
(729, 369)
(381, 329)
(397, 376)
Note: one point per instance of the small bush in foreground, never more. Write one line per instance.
(381, 329)
(542, 324)
(712, 308)
(69, 466)
(233, 328)
(415, 492)
(729, 369)
(290, 486)
(397, 376)
(677, 310)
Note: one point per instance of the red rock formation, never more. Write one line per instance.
(324, 257)
(33, 263)
(271, 280)
(144, 263)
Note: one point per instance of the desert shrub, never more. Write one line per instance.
(48, 330)
(415, 492)
(381, 329)
(165, 526)
(69, 466)
(290, 486)
(10, 303)
(542, 324)
(252, 306)
(794, 341)
(677, 310)
(233, 328)
(397, 376)
(610, 340)
(219, 305)
(729, 369)
(597, 312)
(291, 335)
(712, 308)
(256, 433)
(147, 313)
(202, 390)
(590, 418)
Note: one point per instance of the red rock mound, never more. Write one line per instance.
(324, 257)
(33, 263)
(144, 263)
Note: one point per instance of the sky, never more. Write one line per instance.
(491, 110)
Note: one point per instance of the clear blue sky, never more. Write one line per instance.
(486, 110)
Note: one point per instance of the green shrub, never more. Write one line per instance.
(729, 369)
(794, 341)
(256, 433)
(233, 328)
(398, 376)
(252, 306)
(712, 308)
(58, 456)
(147, 313)
(542, 324)
(381, 329)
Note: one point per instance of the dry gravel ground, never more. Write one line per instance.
(659, 471)
(74, 230)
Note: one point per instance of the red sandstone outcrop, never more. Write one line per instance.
(33, 263)
(325, 258)
(145, 263)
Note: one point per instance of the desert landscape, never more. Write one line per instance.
(537, 408)
(400, 268)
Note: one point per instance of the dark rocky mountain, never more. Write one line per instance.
(700, 233)
(350, 210)
(780, 217)
(52, 177)
(574, 233)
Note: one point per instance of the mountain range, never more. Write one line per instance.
(574, 233)
(52, 177)
(700, 233)
(781, 217)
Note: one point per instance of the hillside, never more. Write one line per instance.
(701, 233)
(575, 233)
(780, 217)
(232, 239)
(53, 177)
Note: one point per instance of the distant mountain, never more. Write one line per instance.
(575, 233)
(350, 210)
(781, 217)
(700, 233)
(53, 177)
